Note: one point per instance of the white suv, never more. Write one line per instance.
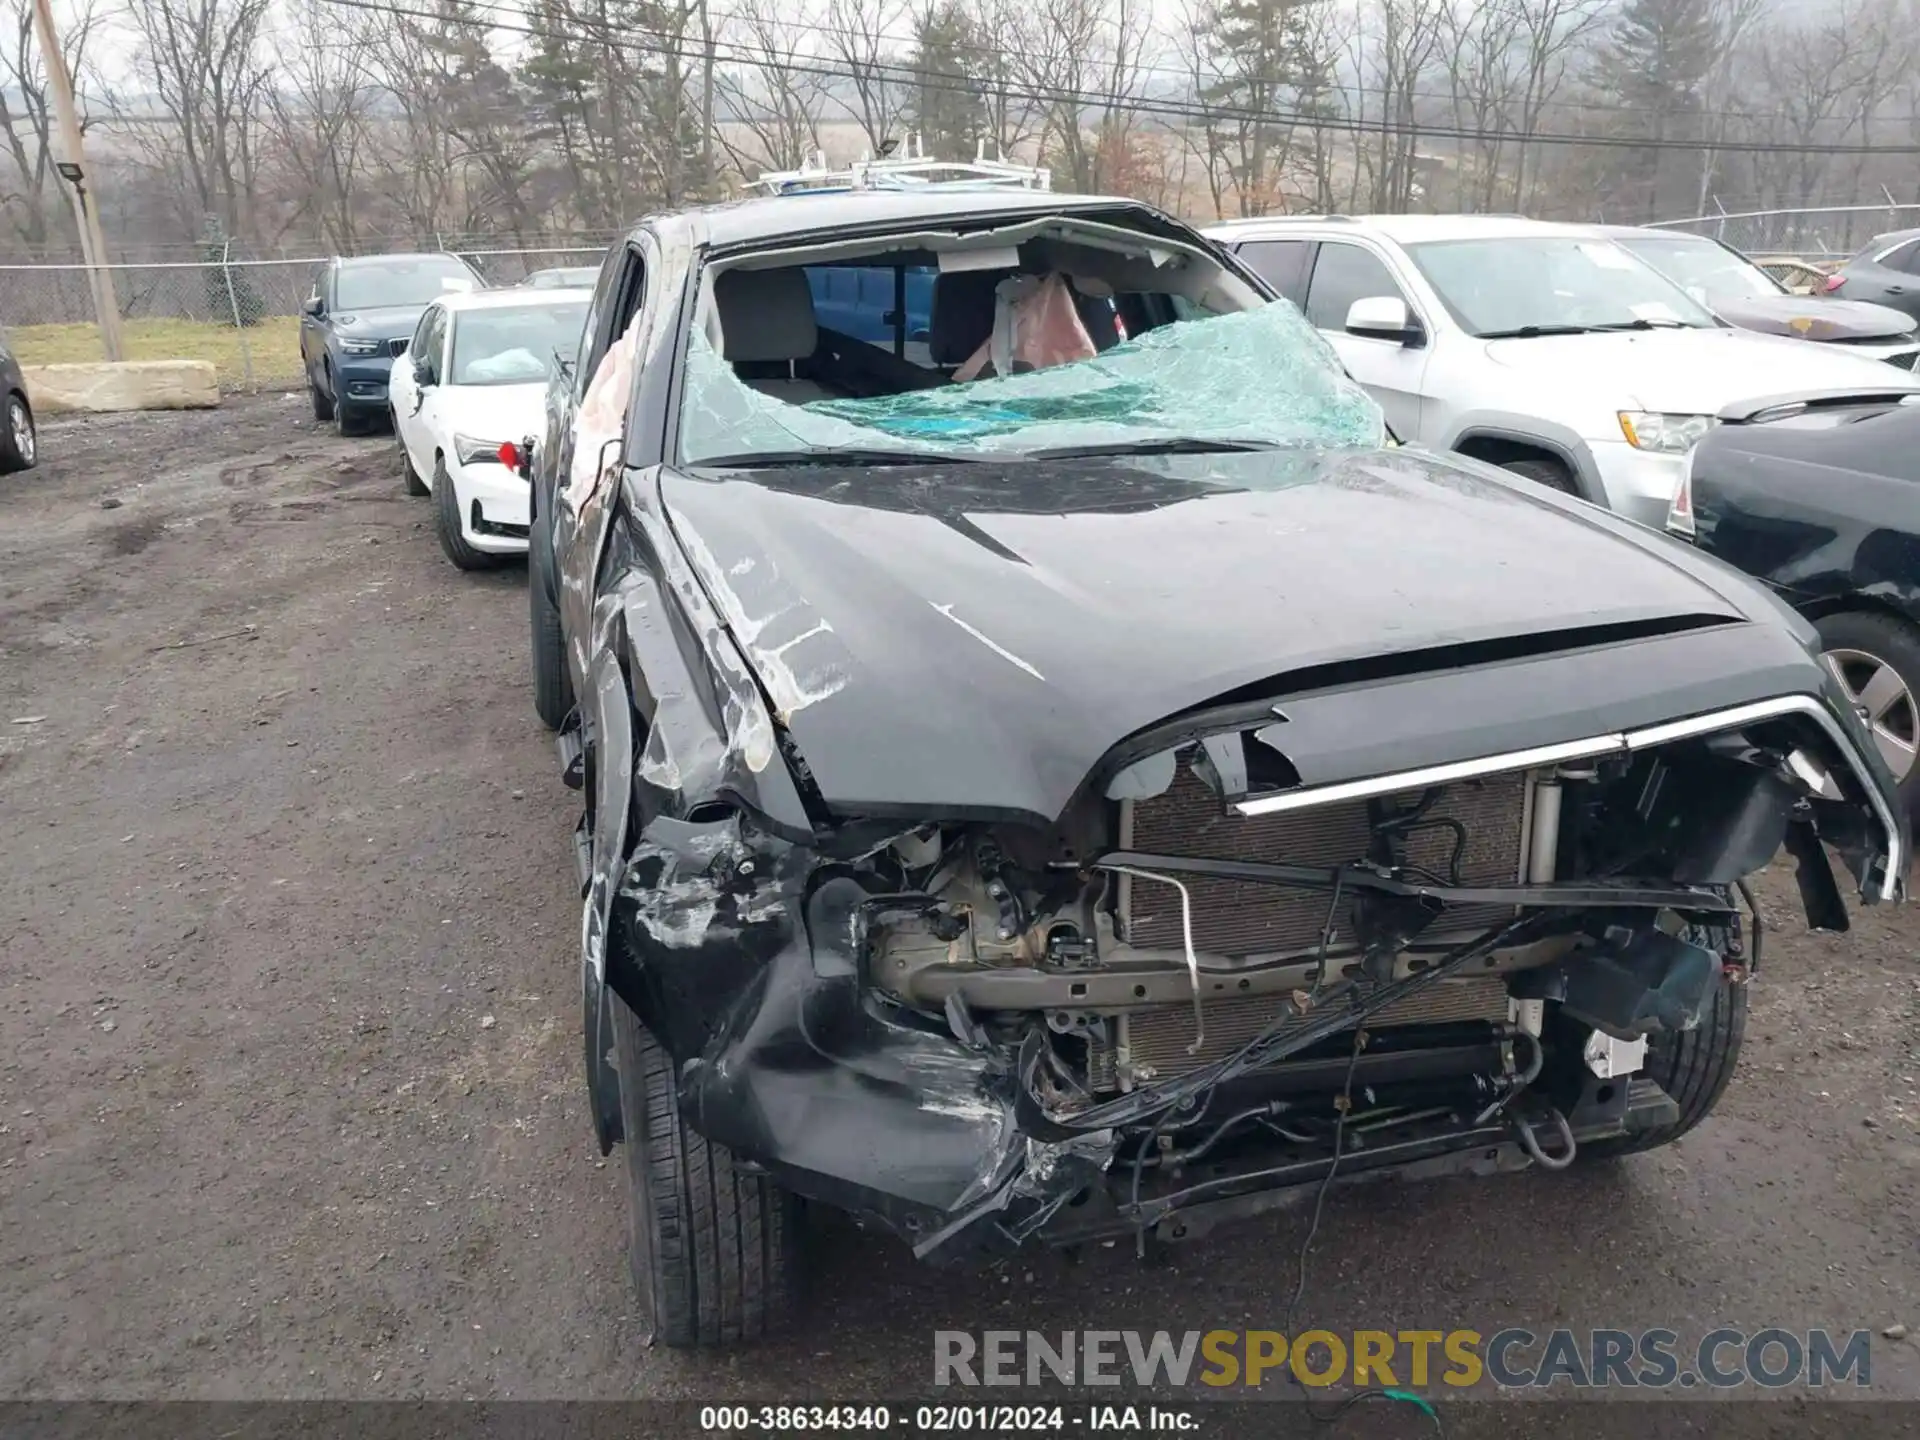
(1546, 349)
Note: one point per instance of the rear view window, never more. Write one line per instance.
(517, 345)
(860, 302)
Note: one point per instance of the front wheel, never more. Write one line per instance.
(446, 521)
(1692, 1066)
(322, 404)
(713, 1249)
(354, 420)
(1876, 659)
(19, 441)
(1550, 473)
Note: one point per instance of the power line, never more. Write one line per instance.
(895, 72)
(1187, 74)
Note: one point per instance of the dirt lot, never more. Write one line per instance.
(289, 1095)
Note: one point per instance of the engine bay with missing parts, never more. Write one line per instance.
(1167, 1011)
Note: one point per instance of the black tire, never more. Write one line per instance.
(1894, 643)
(322, 404)
(714, 1251)
(1693, 1067)
(409, 477)
(446, 521)
(1550, 473)
(353, 419)
(19, 440)
(552, 684)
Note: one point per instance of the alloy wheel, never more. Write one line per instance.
(21, 424)
(1886, 705)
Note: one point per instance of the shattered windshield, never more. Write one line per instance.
(1260, 377)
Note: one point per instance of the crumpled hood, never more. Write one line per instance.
(384, 322)
(1806, 318)
(981, 635)
(1688, 372)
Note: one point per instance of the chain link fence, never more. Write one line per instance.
(1822, 234)
(242, 315)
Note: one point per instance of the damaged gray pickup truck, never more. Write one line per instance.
(1066, 775)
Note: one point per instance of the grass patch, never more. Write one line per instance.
(274, 344)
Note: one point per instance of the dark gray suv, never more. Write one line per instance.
(362, 310)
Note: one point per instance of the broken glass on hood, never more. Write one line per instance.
(1260, 377)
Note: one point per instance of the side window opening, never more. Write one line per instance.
(624, 302)
(434, 323)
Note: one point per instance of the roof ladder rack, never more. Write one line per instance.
(911, 170)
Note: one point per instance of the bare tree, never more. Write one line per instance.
(1733, 19)
(419, 157)
(1082, 61)
(1260, 82)
(1816, 82)
(1551, 34)
(861, 38)
(1395, 68)
(201, 62)
(27, 123)
(1012, 118)
(1482, 58)
(772, 93)
(318, 122)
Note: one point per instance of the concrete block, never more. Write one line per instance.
(129, 385)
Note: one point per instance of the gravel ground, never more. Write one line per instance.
(289, 1091)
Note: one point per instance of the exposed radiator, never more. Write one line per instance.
(1232, 917)
(1158, 1035)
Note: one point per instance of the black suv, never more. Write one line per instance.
(362, 310)
(1045, 807)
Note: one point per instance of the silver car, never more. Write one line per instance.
(1546, 349)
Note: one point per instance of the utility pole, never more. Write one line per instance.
(93, 246)
(706, 102)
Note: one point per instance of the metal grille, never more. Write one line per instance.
(1232, 917)
(1158, 1036)
(398, 347)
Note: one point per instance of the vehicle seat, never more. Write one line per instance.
(962, 317)
(767, 326)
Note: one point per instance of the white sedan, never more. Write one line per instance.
(471, 383)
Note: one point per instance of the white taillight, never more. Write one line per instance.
(1680, 508)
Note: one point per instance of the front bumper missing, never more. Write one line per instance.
(745, 954)
(1188, 1210)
